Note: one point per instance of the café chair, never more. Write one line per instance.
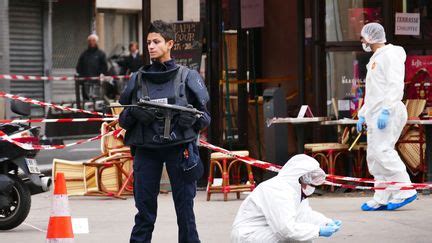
(229, 167)
(411, 144)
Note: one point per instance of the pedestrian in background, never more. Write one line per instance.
(91, 63)
(134, 61)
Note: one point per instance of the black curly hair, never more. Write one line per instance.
(163, 28)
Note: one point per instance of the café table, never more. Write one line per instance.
(299, 124)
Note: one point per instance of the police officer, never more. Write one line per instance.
(164, 81)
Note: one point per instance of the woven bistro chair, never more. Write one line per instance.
(108, 174)
(327, 154)
(229, 167)
(411, 144)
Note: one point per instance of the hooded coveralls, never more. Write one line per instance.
(384, 90)
(275, 211)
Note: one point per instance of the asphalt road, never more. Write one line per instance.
(79, 152)
(111, 220)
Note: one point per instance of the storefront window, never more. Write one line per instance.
(418, 76)
(120, 29)
(346, 73)
(424, 8)
(345, 19)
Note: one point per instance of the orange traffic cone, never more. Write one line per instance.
(60, 222)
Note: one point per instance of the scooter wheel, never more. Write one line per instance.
(13, 215)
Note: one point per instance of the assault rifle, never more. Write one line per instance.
(163, 111)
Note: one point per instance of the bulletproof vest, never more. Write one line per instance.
(166, 87)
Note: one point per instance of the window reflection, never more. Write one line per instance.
(345, 19)
(346, 73)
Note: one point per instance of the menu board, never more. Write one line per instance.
(187, 48)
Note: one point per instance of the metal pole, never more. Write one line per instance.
(47, 51)
(213, 68)
(5, 112)
(229, 136)
(253, 75)
(179, 10)
(301, 70)
(301, 51)
(146, 19)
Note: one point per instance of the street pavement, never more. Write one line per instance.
(111, 220)
(79, 152)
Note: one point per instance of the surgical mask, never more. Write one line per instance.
(366, 47)
(309, 190)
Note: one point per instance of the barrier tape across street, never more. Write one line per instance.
(57, 78)
(28, 146)
(60, 120)
(276, 168)
(386, 188)
(246, 159)
(51, 105)
(371, 181)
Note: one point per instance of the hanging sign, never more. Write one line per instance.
(407, 24)
(187, 48)
(252, 13)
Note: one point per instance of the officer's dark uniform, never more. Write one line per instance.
(180, 86)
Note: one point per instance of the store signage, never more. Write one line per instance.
(308, 27)
(407, 24)
(418, 78)
(252, 14)
(187, 49)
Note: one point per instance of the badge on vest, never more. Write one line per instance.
(161, 100)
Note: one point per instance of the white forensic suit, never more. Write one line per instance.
(275, 212)
(385, 90)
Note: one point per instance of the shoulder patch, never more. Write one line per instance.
(196, 85)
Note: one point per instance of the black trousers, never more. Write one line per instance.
(148, 164)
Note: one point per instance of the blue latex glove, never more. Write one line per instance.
(383, 119)
(360, 123)
(328, 230)
(335, 223)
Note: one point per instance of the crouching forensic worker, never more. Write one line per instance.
(159, 136)
(385, 116)
(278, 211)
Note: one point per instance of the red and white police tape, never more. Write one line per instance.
(246, 159)
(28, 146)
(60, 120)
(57, 78)
(395, 187)
(371, 181)
(386, 185)
(55, 106)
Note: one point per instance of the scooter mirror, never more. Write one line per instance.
(20, 108)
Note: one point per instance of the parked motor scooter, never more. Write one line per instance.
(20, 176)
